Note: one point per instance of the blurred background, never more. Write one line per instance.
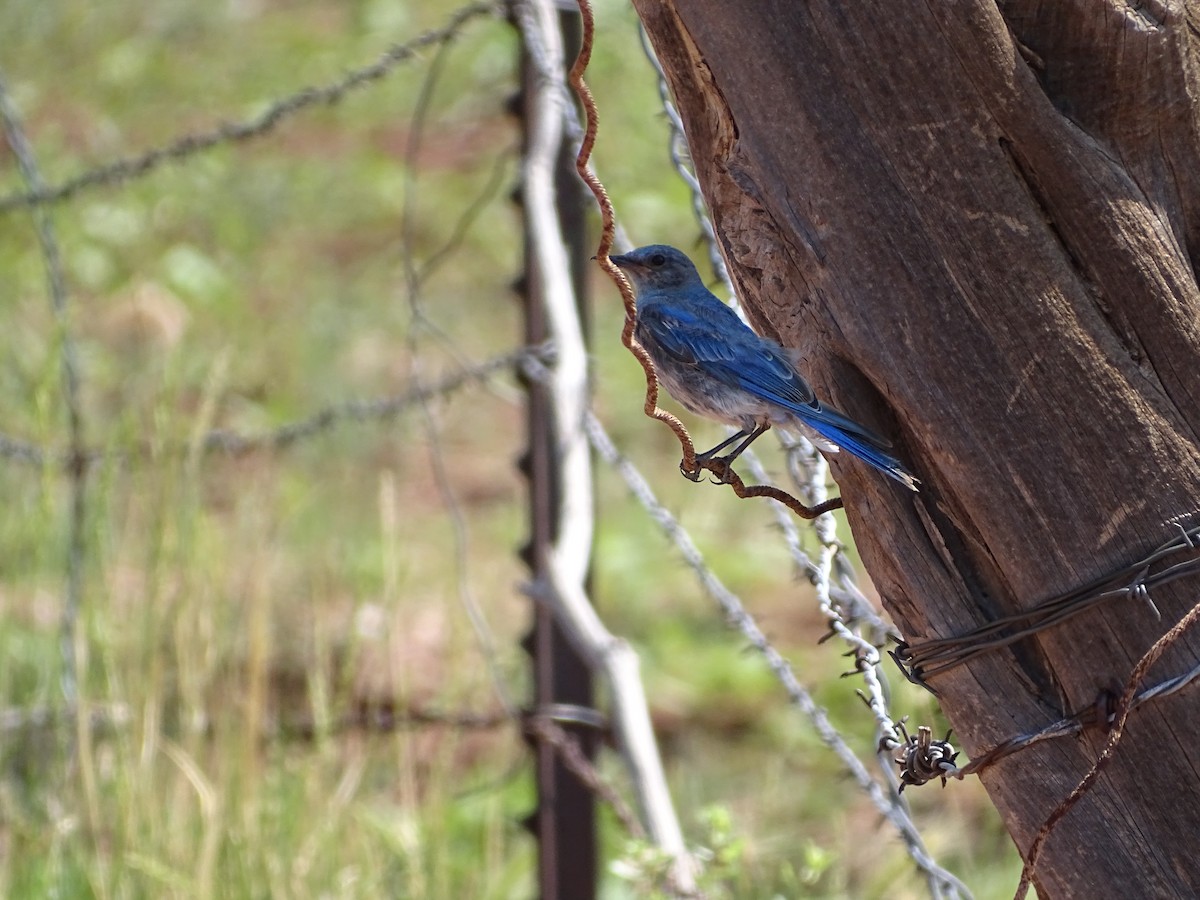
(268, 634)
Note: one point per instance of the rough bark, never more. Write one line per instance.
(979, 223)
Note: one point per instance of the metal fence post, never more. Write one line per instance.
(564, 822)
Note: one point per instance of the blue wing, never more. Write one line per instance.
(707, 335)
(713, 339)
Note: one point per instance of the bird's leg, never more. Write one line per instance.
(709, 454)
(751, 437)
(719, 465)
(702, 458)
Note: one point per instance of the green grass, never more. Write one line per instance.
(235, 610)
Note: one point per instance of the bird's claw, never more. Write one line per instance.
(718, 466)
(721, 468)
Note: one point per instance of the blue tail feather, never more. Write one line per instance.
(865, 451)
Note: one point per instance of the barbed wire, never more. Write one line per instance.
(377, 410)
(1124, 708)
(189, 145)
(848, 597)
(926, 659)
(680, 154)
(889, 804)
(923, 759)
(26, 452)
(848, 613)
(69, 361)
(1093, 716)
(235, 443)
(848, 603)
(543, 727)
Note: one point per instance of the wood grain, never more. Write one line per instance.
(978, 224)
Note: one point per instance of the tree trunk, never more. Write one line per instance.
(979, 226)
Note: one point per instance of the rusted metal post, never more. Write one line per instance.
(565, 819)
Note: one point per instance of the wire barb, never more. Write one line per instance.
(921, 758)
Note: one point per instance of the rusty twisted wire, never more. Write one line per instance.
(608, 228)
(922, 759)
(689, 465)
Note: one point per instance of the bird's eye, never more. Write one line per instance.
(657, 259)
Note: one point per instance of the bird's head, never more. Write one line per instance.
(657, 267)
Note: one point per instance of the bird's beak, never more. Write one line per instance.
(621, 262)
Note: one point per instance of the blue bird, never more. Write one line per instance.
(717, 367)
